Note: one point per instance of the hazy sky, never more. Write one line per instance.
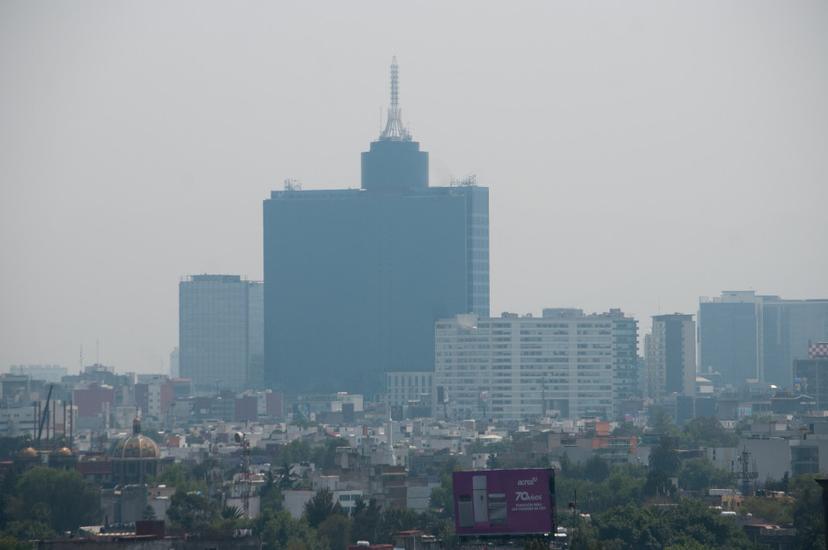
(639, 154)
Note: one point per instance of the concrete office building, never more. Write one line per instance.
(743, 335)
(516, 368)
(671, 356)
(355, 279)
(220, 332)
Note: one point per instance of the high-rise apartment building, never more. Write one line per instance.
(220, 332)
(516, 368)
(671, 356)
(355, 279)
(743, 335)
(626, 366)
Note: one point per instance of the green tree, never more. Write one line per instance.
(690, 524)
(29, 530)
(664, 464)
(270, 494)
(9, 542)
(366, 517)
(279, 531)
(627, 429)
(662, 422)
(324, 456)
(193, 512)
(596, 469)
(231, 512)
(699, 474)
(442, 497)
(60, 499)
(10, 446)
(393, 521)
(706, 431)
(774, 510)
(781, 485)
(808, 516)
(287, 480)
(584, 537)
(336, 531)
(320, 507)
(8, 484)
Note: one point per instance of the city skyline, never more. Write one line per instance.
(598, 169)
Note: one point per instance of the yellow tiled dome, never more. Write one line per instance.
(28, 452)
(135, 446)
(64, 451)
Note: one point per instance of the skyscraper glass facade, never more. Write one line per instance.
(220, 324)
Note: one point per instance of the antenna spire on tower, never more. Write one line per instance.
(394, 129)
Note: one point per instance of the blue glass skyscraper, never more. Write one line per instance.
(355, 279)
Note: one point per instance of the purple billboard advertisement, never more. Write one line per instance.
(504, 502)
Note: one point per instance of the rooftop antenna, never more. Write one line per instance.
(394, 129)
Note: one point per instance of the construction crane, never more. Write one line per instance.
(45, 416)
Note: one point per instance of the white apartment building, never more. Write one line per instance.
(515, 368)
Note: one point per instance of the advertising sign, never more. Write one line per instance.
(504, 502)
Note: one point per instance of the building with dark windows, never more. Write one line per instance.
(743, 335)
(811, 375)
(671, 356)
(355, 279)
(221, 327)
(625, 358)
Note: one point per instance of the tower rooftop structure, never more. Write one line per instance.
(394, 128)
(394, 161)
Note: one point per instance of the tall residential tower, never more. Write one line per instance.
(355, 279)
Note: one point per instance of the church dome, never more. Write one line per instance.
(64, 451)
(135, 445)
(28, 452)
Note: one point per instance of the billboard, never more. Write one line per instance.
(504, 502)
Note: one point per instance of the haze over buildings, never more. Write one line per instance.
(595, 127)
